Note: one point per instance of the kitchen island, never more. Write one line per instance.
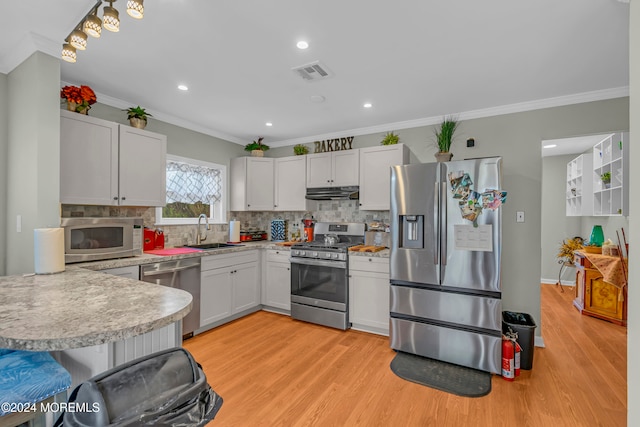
(80, 308)
(90, 321)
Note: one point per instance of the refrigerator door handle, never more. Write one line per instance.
(443, 225)
(436, 225)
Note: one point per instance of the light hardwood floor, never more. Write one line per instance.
(275, 371)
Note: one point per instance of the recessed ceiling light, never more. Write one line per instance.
(269, 124)
(550, 146)
(183, 87)
(367, 105)
(302, 44)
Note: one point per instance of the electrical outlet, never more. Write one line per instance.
(520, 216)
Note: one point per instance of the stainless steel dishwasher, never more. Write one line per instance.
(180, 274)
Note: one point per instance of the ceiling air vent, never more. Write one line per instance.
(313, 71)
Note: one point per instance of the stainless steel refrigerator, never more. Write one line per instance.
(445, 299)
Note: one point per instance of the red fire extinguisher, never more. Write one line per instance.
(518, 349)
(508, 359)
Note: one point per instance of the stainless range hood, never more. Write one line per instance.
(333, 193)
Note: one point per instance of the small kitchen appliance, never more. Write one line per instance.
(320, 274)
(159, 239)
(149, 239)
(253, 235)
(93, 239)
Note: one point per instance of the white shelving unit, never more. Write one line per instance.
(579, 188)
(611, 155)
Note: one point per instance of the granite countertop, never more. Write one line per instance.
(79, 308)
(380, 254)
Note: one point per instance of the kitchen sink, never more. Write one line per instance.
(209, 246)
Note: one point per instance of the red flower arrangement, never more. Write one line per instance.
(82, 96)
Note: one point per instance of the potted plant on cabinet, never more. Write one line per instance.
(390, 139)
(444, 137)
(78, 99)
(256, 148)
(300, 149)
(606, 179)
(137, 117)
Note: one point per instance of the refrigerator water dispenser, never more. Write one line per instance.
(412, 231)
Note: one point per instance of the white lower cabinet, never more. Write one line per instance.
(229, 284)
(369, 294)
(277, 284)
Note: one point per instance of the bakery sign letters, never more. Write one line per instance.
(337, 144)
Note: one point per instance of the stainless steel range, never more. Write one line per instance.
(320, 274)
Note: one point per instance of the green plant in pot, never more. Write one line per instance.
(300, 149)
(390, 139)
(137, 117)
(256, 148)
(606, 179)
(445, 132)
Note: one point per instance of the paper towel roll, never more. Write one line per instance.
(234, 231)
(48, 250)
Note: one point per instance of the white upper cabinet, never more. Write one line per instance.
(611, 156)
(143, 167)
(252, 184)
(104, 163)
(290, 185)
(333, 169)
(375, 174)
(579, 188)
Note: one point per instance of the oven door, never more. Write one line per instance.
(319, 283)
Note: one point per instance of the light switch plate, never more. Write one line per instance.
(520, 216)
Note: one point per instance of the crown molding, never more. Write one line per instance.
(28, 45)
(560, 101)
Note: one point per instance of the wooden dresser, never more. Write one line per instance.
(594, 296)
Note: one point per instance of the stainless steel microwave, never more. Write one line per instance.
(92, 239)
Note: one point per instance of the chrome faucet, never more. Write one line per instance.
(199, 237)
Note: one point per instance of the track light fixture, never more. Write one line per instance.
(135, 9)
(68, 53)
(92, 25)
(78, 39)
(110, 18)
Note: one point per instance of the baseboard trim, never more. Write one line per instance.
(554, 281)
(538, 342)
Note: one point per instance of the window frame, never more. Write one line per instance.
(217, 211)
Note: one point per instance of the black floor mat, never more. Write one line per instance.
(443, 376)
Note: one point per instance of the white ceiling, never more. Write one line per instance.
(414, 60)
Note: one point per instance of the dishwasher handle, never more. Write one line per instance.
(168, 270)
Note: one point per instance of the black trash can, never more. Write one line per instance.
(524, 325)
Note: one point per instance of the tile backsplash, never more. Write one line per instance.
(178, 235)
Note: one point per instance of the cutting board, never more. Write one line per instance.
(286, 243)
(172, 251)
(366, 248)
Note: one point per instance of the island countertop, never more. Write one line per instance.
(79, 308)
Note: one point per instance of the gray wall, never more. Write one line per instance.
(633, 349)
(33, 159)
(556, 226)
(3, 170)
